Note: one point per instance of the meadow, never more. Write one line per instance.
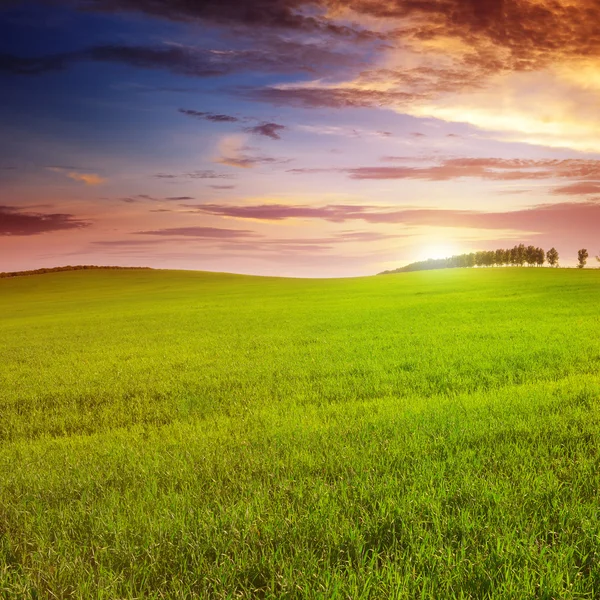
(170, 434)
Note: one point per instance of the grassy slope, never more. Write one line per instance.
(430, 434)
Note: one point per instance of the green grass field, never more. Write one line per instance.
(173, 434)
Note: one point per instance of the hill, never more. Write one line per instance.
(183, 434)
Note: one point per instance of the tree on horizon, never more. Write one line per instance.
(582, 256)
(552, 257)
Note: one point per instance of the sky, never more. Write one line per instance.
(296, 138)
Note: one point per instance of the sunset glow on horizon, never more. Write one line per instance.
(295, 138)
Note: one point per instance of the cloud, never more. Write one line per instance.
(87, 178)
(249, 162)
(200, 233)
(489, 169)
(526, 31)
(312, 170)
(181, 60)
(365, 236)
(130, 243)
(222, 187)
(250, 14)
(582, 187)
(228, 239)
(16, 65)
(266, 129)
(235, 153)
(547, 218)
(460, 41)
(267, 54)
(525, 70)
(75, 174)
(17, 222)
(336, 130)
(208, 116)
(201, 174)
(280, 212)
(270, 130)
(142, 197)
(307, 96)
(493, 169)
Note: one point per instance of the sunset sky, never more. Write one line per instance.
(284, 137)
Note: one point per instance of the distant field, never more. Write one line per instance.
(171, 434)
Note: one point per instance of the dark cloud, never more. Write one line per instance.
(200, 233)
(270, 130)
(269, 54)
(222, 187)
(251, 14)
(208, 116)
(279, 57)
(18, 65)
(17, 222)
(140, 88)
(525, 32)
(142, 197)
(178, 59)
(497, 36)
(184, 61)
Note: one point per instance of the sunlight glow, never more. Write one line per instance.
(441, 250)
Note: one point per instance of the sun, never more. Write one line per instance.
(441, 250)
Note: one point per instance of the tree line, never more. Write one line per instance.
(59, 269)
(517, 256)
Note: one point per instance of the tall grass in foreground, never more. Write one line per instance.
(178, 435)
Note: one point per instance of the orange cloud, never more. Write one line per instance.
(87, 178)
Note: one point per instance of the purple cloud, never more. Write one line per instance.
(200, 233)
(17, 222)
(270, 130)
